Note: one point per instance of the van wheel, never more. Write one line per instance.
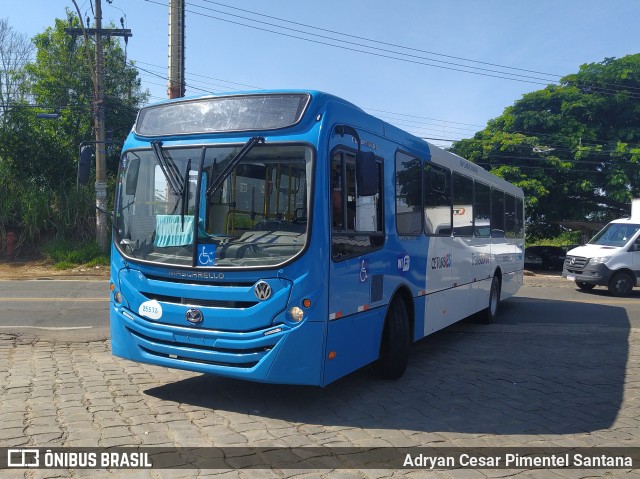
(396, 340)
(621, 284)
(490, 314)
(585, 286)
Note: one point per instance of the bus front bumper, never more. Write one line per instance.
(277, 354)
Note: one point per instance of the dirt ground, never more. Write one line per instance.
(43, 269)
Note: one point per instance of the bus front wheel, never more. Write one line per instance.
(396, 341)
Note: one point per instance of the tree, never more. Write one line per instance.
(574, 147)
(38, 158)
(15, 53)
(61, 79)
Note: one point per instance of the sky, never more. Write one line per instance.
(440, 69)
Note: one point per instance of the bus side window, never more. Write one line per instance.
(462, 205)
(408, 195)
(357, 221)
(497, 214)
(519, 218)
(482, 210)
(437, 200)
(510, 218)
(337, 188)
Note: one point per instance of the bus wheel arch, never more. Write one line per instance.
(397, 336)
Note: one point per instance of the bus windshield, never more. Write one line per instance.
(167, 212)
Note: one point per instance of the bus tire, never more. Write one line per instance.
(396, 341)
(621, 284)
(491, 313)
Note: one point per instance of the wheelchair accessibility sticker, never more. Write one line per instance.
(364, 270)
(206, 254)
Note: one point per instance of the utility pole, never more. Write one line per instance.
(176, 87)
(97, 76)
(102, 228)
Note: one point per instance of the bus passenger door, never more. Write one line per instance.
(355, 282)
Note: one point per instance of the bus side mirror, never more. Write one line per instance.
(131, 182)
(84, 164)
(366, 173)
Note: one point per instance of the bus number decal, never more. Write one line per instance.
(150, 309)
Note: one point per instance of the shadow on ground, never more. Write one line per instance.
(530, 373)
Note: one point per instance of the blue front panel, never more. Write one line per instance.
(353, 342)
(239, 336)
(248, 356)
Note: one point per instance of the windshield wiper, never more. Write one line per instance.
(168, 168)
(217, 183)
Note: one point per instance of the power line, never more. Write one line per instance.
(413, 126)
(348, 42)
(380, 42)
(604, 88)
(190, 83)
(461, 68)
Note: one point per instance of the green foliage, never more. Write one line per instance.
(34, 211)
(566, 238)
(573, 148)
(38, 158)
(67, 254)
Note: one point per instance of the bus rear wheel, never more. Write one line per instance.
(396, 341)
(491, 313)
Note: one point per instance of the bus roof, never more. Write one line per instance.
(153, 119)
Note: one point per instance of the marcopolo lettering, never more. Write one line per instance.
(441, 262)
(196, 275)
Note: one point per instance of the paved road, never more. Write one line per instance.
(552, 372)
(79, 310)
(55, 309)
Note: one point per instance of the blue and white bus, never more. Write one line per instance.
(290, 237)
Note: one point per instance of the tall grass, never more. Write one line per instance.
(37, 213)
(66, 254)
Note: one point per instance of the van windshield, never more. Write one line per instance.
(615, 234)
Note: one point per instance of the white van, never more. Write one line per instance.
(611, 258)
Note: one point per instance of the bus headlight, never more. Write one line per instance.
(599, 260)
(296, 314)
(117, 297)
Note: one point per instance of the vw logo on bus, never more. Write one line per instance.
(194, 316)
(262, 290)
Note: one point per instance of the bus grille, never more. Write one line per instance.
(200, 353)
(208, 303)
(200, 361)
